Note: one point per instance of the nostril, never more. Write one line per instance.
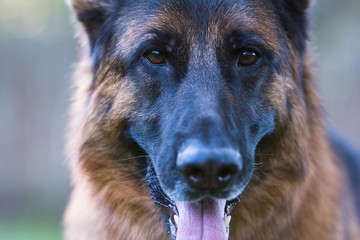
(195, 175)
(225, 174)
(209, 175)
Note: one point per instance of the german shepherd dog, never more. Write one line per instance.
(190, 113)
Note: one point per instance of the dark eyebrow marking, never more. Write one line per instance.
(244, 37)
(150, 41)
(240, 39)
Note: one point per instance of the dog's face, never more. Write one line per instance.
(202, 76)
(202, 104)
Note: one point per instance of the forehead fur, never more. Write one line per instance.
(192, 20)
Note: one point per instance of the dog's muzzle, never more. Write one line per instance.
(211, 174)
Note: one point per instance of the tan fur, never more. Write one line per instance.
(310, 185)
(111, 201)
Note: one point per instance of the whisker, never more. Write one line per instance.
(257, 177)
(258, 165)
(131, 158)
(134, 181)
(133, 173)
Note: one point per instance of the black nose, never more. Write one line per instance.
(206, 168)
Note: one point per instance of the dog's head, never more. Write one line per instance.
(196, 85)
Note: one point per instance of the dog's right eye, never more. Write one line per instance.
(155, 57)
(248, 57)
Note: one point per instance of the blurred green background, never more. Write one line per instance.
(37, 52)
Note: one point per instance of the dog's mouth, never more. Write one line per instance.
(206, 219)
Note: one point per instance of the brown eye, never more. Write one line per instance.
(155, 57)
(248, 57)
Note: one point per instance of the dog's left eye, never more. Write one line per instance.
(155, 57)
(248, 57)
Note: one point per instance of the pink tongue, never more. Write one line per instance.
(201, 220)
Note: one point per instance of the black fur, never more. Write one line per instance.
(293, 17)
(93, 21)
